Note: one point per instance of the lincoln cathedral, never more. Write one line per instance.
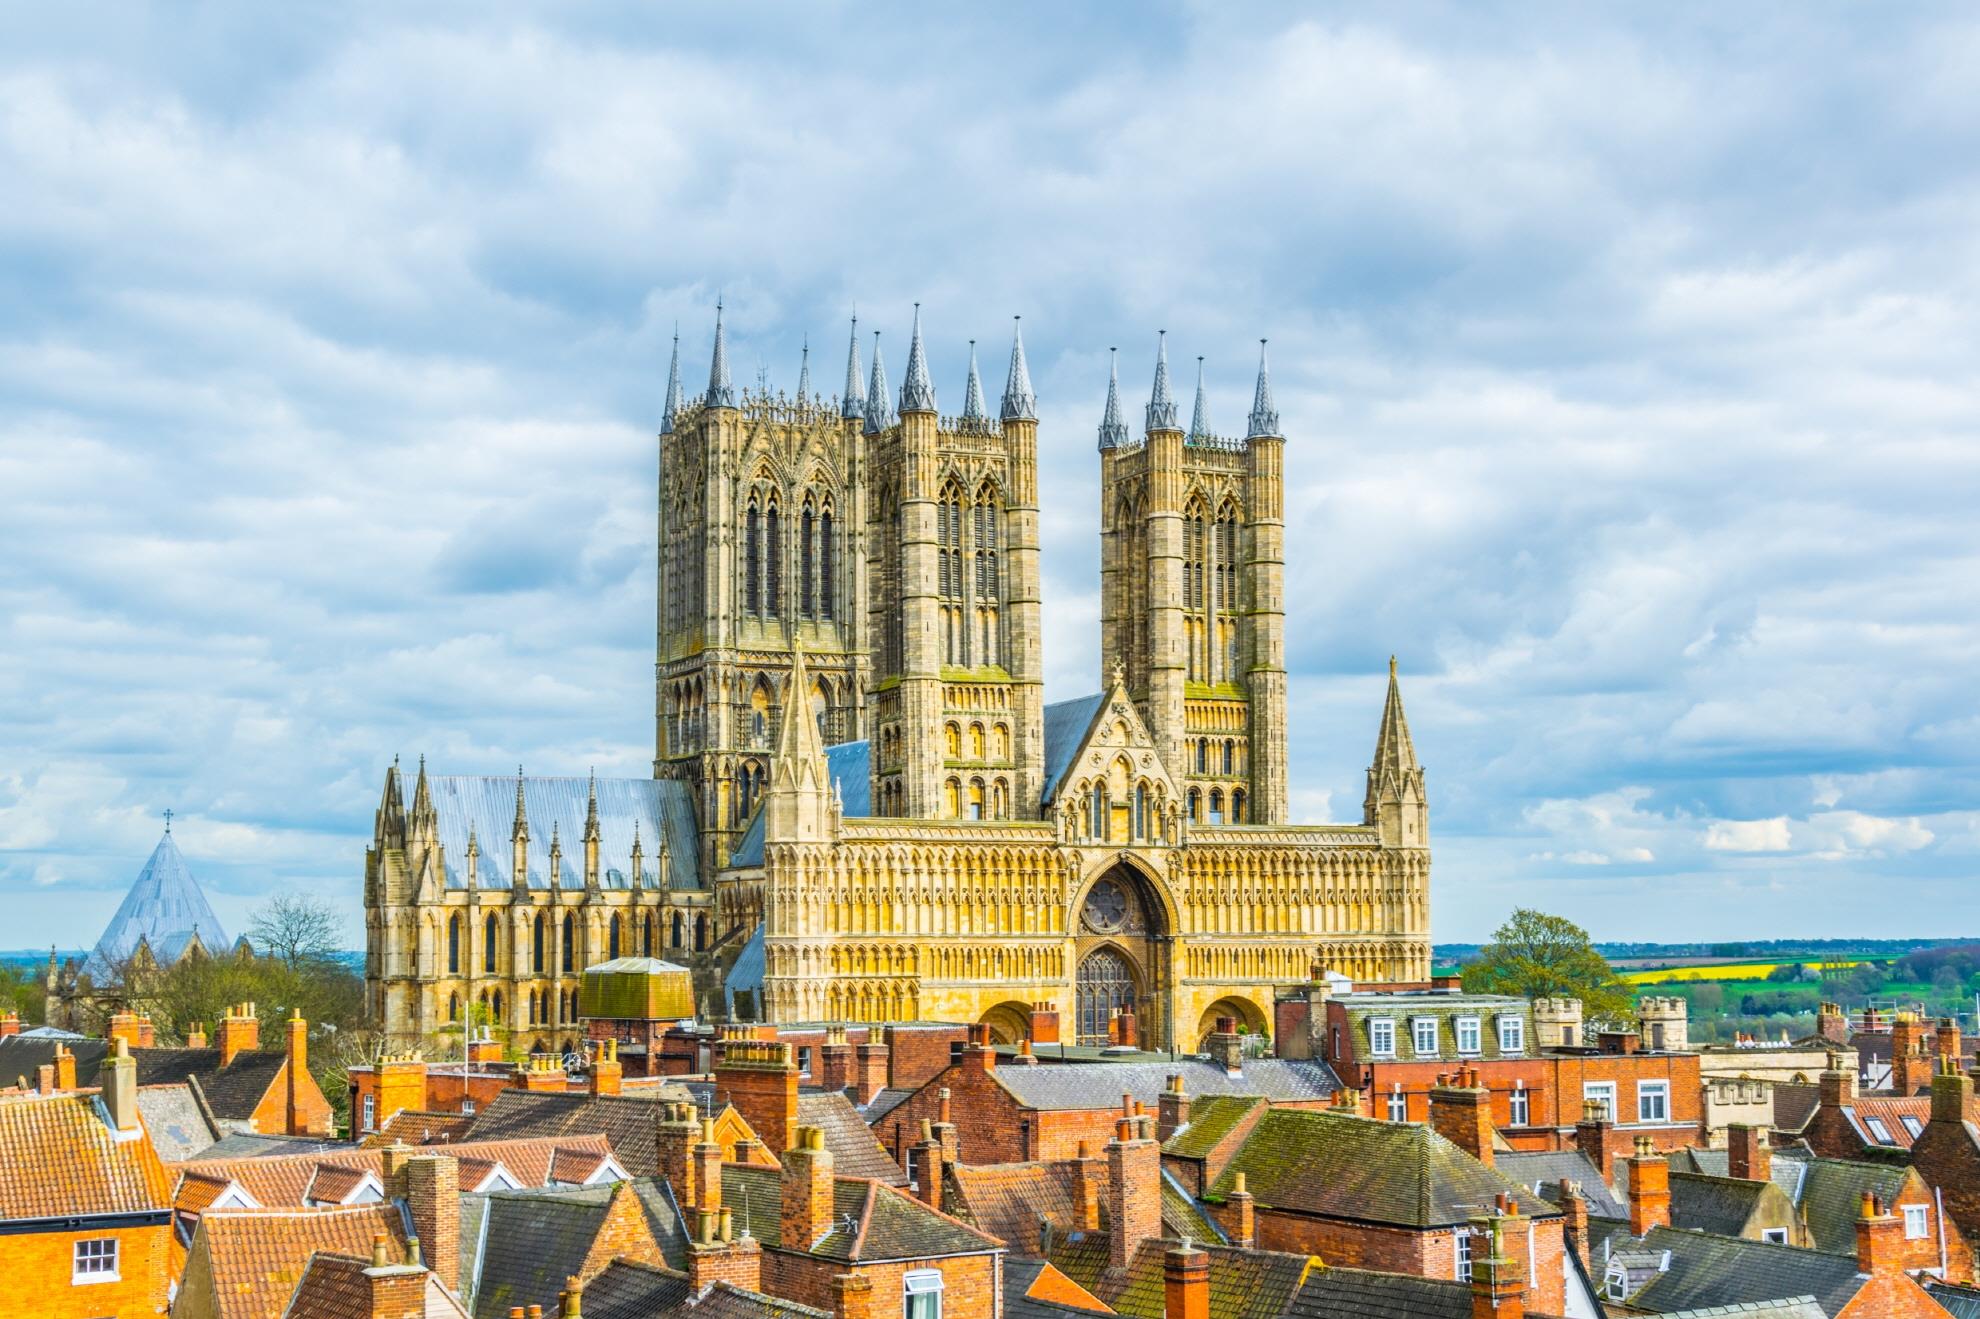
(863, 808)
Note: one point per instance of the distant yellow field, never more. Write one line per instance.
(1724, 971)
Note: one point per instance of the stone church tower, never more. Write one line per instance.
(1192, 566)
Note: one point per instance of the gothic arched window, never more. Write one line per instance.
(807, 561)
(570, 944)
(612, 939)
(453, 945)
(677, 930)
(488, 945)
(773, 551)
(536, 946)
(752, 559)
(826, 591)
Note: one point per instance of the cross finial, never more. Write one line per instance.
(168, 819)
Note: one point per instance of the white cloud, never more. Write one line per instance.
(1749, 836)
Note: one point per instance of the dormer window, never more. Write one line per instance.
(1382, 1037)
(1878, 1130)
(1512, 1034)
(1467, 1034)
(1423, 1036)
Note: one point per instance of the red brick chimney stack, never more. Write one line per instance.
(240, 1032)
(196, 1035)
(10, 1024)
(607, 1074)
(1089, 1188)
(1134, 1189)
(1044, 1028)
(1185, 1283)
(1591, 1136)
(1952, 1093)
(1649, 1189)
(981, 1051)
(1244, 1214)
(433, 1203)
(926, 1159)
(835, 1060)
(1226, 1047)
(870, 1069)
(1498, 1267)
(760, 1078)
(1574, 1212)
(1749, 1155)
(675, 1134)
(1837, 1084)
(1172, 1109)
(852, 1296)
(705, 1167)
(807, 1190)
(65, 1068)
(1832, 1023)
(1879, 1239)
(1461, 1112)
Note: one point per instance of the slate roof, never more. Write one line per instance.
(1210, 1120)
(1183, 1217)
(1337, 1293)
(1066, 723)
(626, 1289)
(1794, 1105)
(1708, 1270)
(1724, 1205)
(1830, 1194)
(1244, 1284)
(1066, 1086)
(886, 1101)
(1959, 1302)
(856, 1151)
(1340, 1166)
(1794, 1307)
(1543, 1170)
(1786, 1169)
(164, 908)
(231, 1093)
(486, 805)
(529, 1242)
(255, 1145)
(625, 1120)
(177, 1120)
(59, 1158)
(871, 1221)
(1011, 1201)
(257, 1257)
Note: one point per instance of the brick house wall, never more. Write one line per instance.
(310, 1115)
(969, 1282)
(40, 1272)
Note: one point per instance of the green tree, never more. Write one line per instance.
(1534, 955)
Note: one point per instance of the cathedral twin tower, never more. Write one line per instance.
(898, 549)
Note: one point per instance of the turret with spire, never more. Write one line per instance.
(1264, 577)
(879, 407)
(1113, 430)
(1023, 656)
(519, 839)
(592, 834)
(672, 410)
(852, 403)
(917, 388)
(973, 413)
(797, 804)
(1396, 802)
(1020, 404)
(721, 392)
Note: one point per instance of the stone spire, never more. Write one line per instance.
(797, 805)
(804, 371)
(1264, 413)
(1161, 406)
(1396, 800)
(973, 393)
(1113, 430)
(422, 796)
(520, 830)
(1199, 429)
(1020, 404)
(721, 394)
(917, 390)
(673, 408)
(519, 840)
(591, 809)
(852, 403)
(879, 412)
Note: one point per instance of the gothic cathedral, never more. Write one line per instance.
(863, 808)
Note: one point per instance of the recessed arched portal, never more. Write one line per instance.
(1121, 931)
(1009, 1021)
(1249, 1016)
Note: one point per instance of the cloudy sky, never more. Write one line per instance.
(1628, 369)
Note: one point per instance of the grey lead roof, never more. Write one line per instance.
(164, 908)
(1543, 1170)
(657, 808)
(1066, 723)
(1100, 1085)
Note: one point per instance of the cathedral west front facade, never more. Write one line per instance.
(863, 808)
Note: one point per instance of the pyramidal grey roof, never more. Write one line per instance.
(164, 908)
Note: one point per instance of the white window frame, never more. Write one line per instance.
(1512, 1033)
(1646, 1091)
(1616, 1284)
(1917, 1222)
(1418, 1028)
(804, 1060)
(1462, 1254)
(1472, 1026)
(1379, 1027)
(370, 1112)
(1879, 1130)
(1519, 1106)
(1777, 1235)
(921, 1284)
(1912, 1125)
(1605, 1093)
(93, 1260)
(1398, 1104)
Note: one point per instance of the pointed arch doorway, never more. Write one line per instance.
(1121, 942)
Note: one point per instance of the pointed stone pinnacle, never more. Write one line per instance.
(721, 393)
(917, 389)
(1020, 404)
(1199, 428)
(1161, 406)
(804, 371)
(852, 401)
(1113, 430)
(672, 409)
(973, 391)
(1264, 413)
(879, 407)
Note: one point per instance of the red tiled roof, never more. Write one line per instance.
(334, 1184)
(1891, 1111)
(252, 1259)
(411, 1126)
(285, 1179)
(574, 1167)
(60, 1159)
